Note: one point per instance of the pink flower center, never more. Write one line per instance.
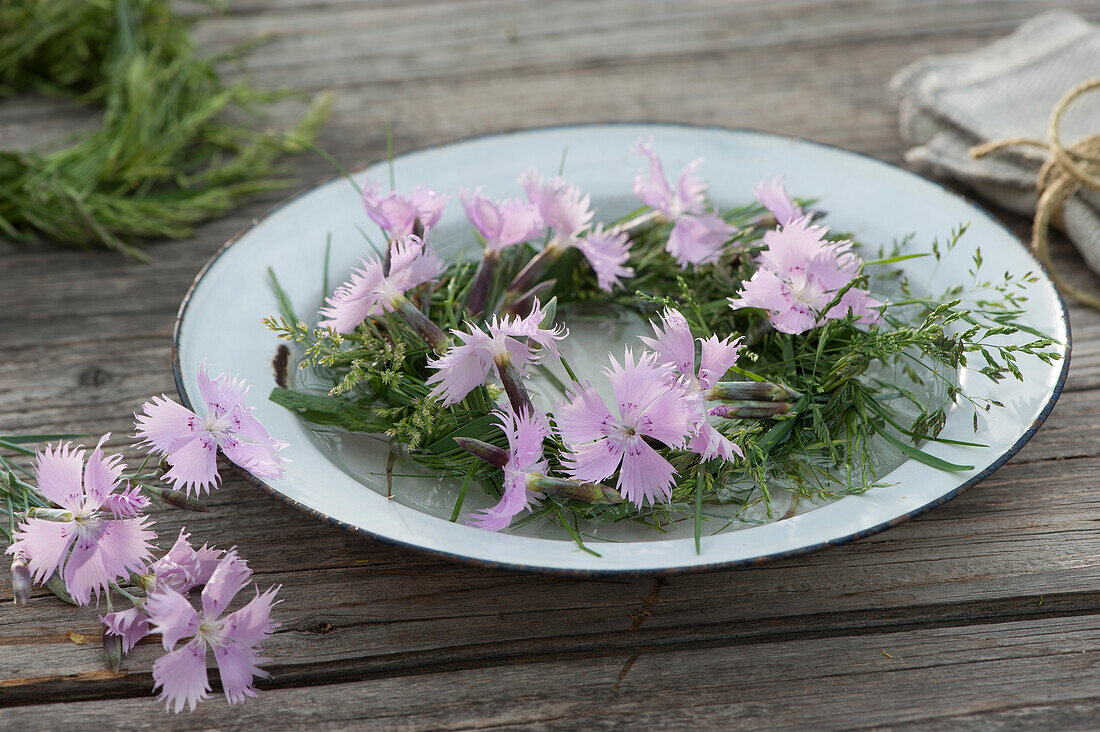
(209, 632)
(805, 290)
(218, 427)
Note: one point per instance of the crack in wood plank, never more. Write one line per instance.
(647, 605)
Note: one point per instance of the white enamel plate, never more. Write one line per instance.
(219, 322)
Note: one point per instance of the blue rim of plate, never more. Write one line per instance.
(1007, 455)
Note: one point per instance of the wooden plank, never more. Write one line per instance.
(1012, 673)
(1000, 580)
(352, 608)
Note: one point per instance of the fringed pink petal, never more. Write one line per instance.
(162, 425)
(59, 471)
(101, 475)
(238, 665)
(672, 342)
(462, 368)
(171, 615)
(222, 393)
(127, 503)
(44, 544)
(645, 476)
(514, 501)
(229, 577)
(561, 205)
(105, 552)
(607, 252)
(709, 443)
(252, 623)
(653, 189)
(716, 358)
(584, 417)
(356, 299)
(593, 461)
(699, 240)
(194, 465)
(181, 677)
(184, 567)
(131, 625)
(773, 196)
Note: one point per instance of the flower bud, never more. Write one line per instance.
(112, 651)
(179, 499)
(587, 492)
(20, 580)
(549, 312)
(753, 410)
(147, 581)
(50, 514)
(489, 453)
(756, 391)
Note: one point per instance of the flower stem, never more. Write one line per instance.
(757, 331)
(431, 333)
(638, 221)
(522, 307)
(179, 499)
(534, 269)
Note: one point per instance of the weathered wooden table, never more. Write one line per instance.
(984, 613)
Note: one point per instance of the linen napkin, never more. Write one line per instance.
(951, 102)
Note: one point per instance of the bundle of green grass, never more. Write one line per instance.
(171, 150)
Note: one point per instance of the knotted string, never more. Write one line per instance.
(1063, 174)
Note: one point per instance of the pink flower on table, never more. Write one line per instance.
(188, 634)
(799, 274)
(773, 196)
(649, 402)
(181, 569)
(397, 213)
(698, 236)
(464, 367)
(502, 223)
(371, 292)
(569, 215)
(674, 345)
(525, 435)
(190, 442)
(100, 526)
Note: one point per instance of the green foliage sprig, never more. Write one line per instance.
(176, 145)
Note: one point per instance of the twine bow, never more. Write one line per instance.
(1063, 174)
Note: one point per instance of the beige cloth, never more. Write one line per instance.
(1006, 89)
